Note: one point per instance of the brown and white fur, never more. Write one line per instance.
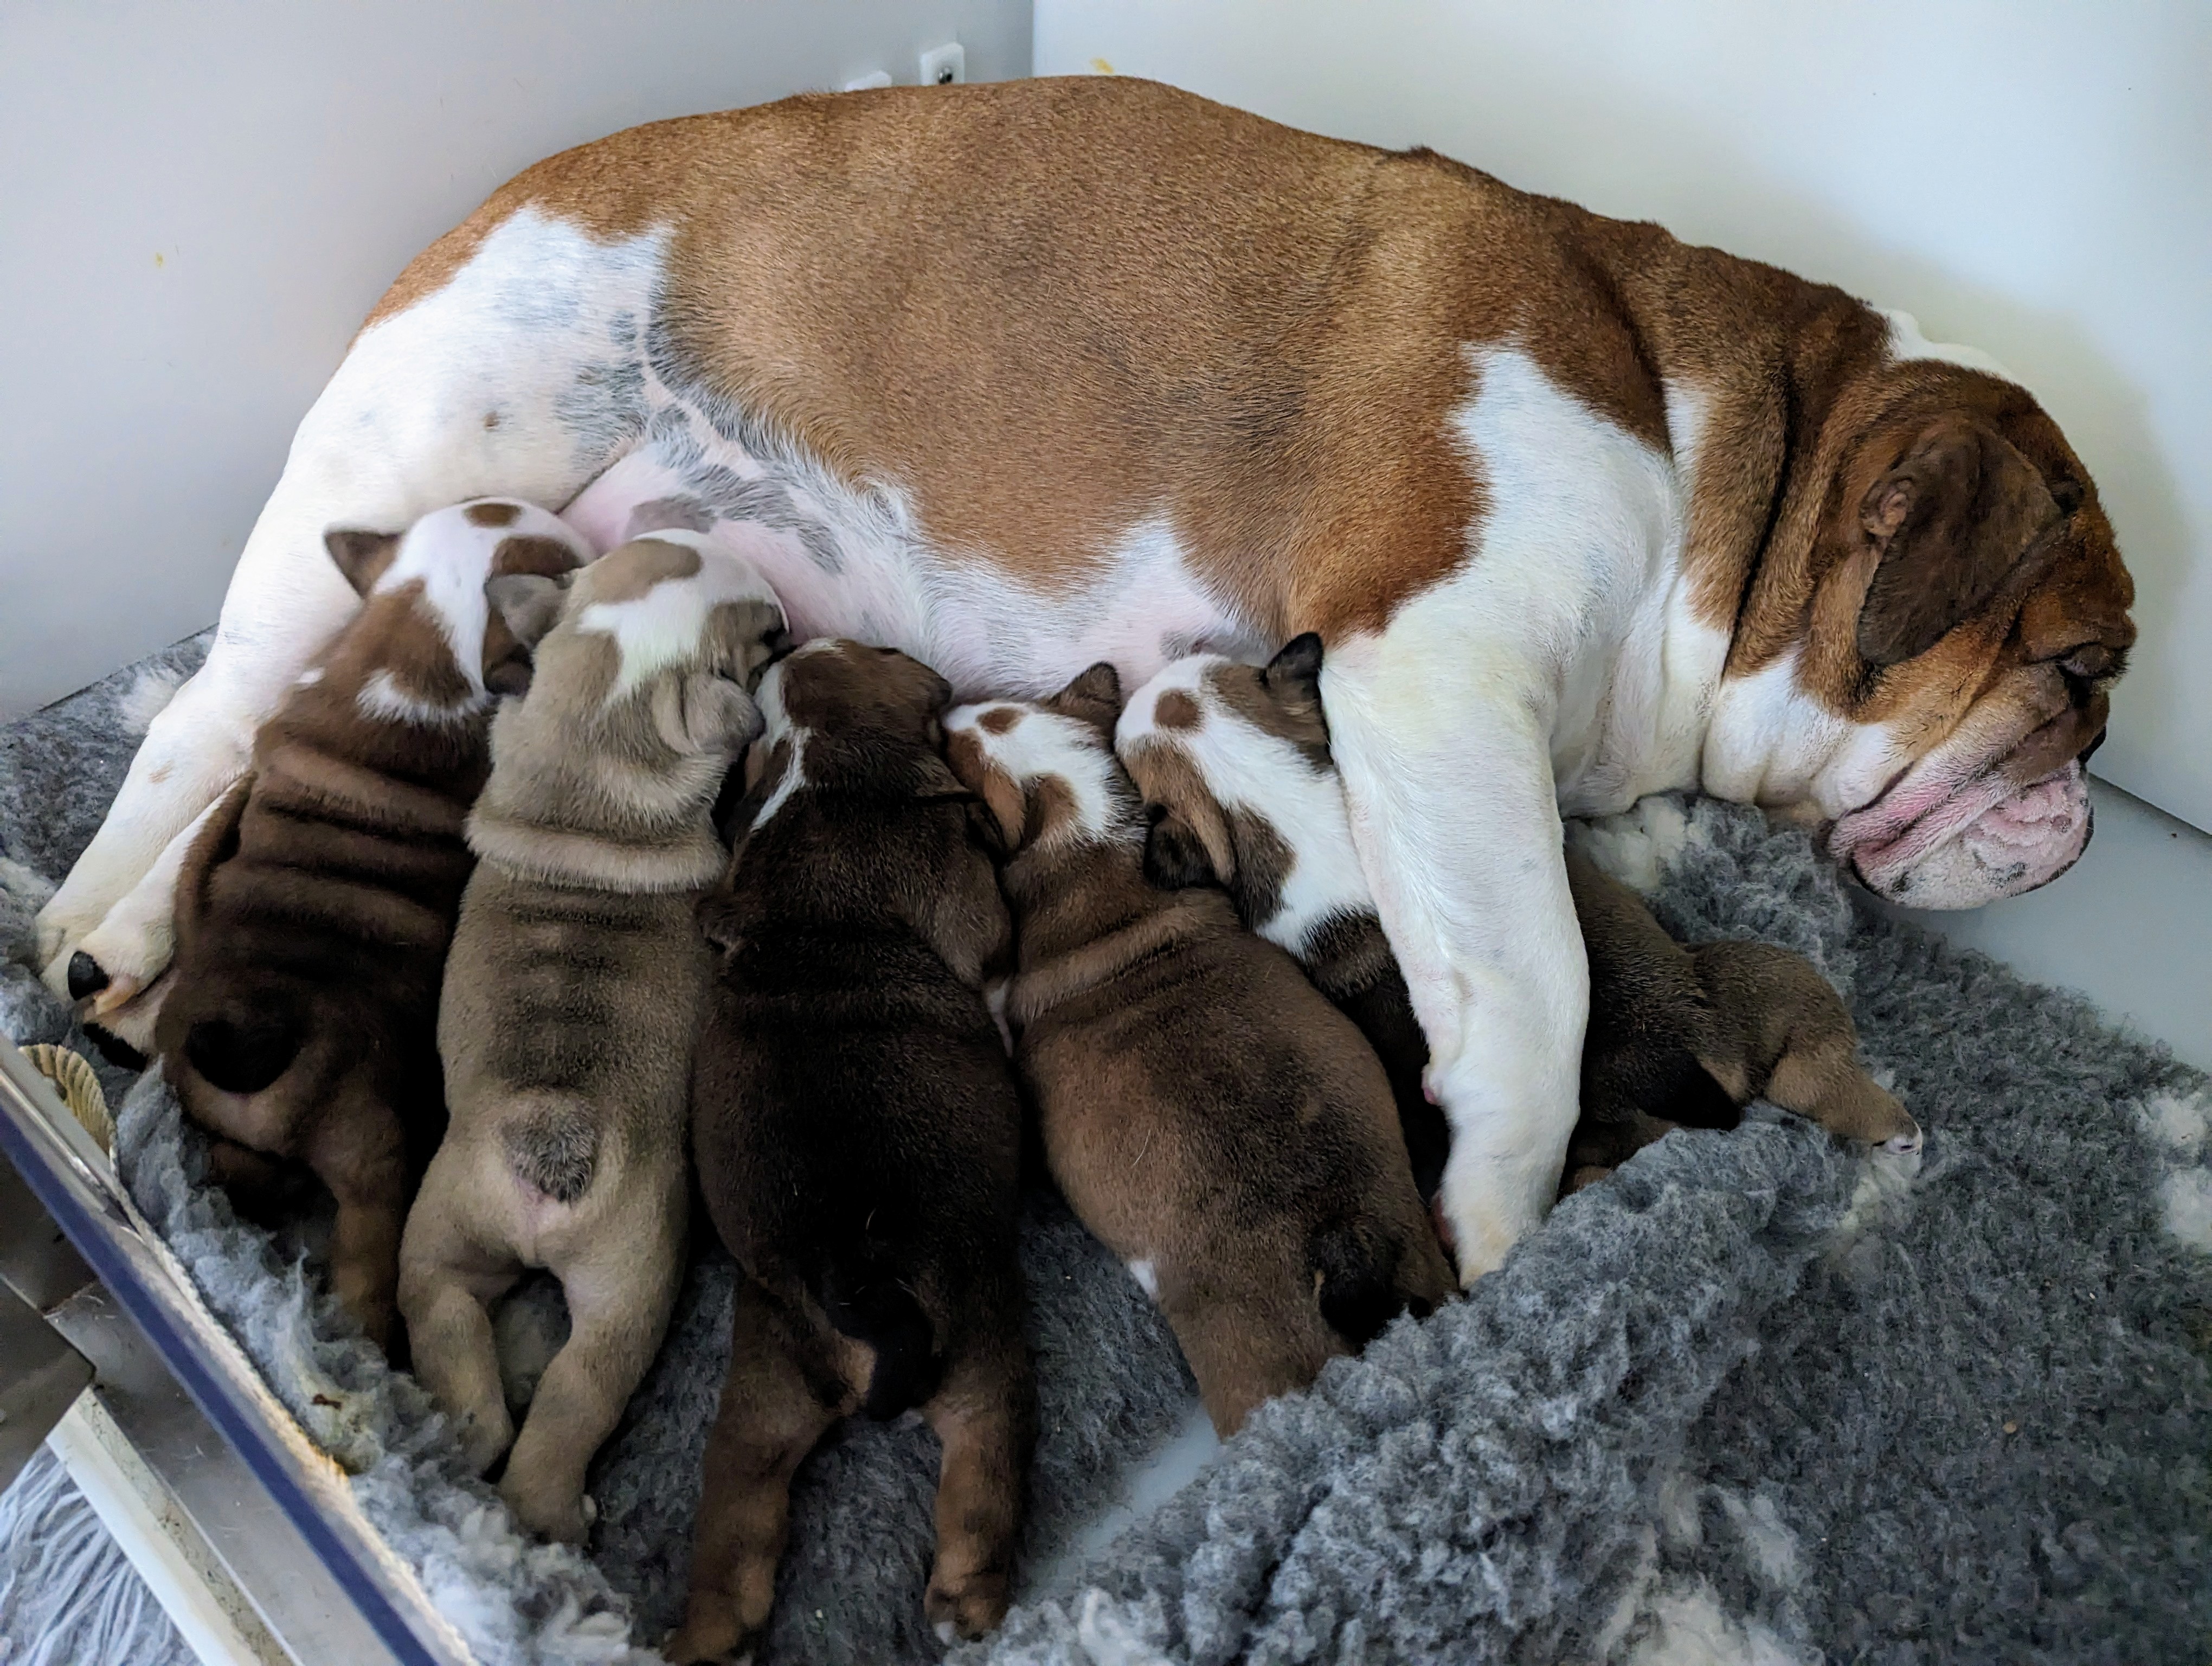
(1208, 1115)
(1240, 791)
(1582, 512)
(298, 1022)
(571, 996)
(859, 1138)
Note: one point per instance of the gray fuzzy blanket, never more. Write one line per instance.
(1756, 1399)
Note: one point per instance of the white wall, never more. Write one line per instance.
(2033, 177)
(199, 202)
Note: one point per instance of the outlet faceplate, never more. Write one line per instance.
(943, 66)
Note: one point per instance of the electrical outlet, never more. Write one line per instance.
(869, 81)
(943, 66)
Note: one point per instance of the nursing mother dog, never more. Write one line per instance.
(1017, 378)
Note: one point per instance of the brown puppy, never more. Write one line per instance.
(318, 899)
(571, 996)
(1234, 763)
(858, 1135)
(1212, 1118)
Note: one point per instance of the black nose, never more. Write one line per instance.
(85, 976)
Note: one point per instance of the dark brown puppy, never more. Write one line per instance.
(316, 906)
(1214, 1121)
(1234, 763)
(858, 1137)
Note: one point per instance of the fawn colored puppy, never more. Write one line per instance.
(858, 1136)
(1208, 1114)
(571, 995)
(316, 900)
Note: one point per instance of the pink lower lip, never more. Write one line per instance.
(1990, 799)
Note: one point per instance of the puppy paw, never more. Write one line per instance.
(710, 1640)
(970, 1609)
(484, 1438)
(567, 1518)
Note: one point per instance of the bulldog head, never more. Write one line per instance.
(1920, 663)
(646, 661)
(1045, 769)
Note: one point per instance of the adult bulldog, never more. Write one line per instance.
(1017, 378)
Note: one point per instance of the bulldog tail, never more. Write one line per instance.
(866, 1299)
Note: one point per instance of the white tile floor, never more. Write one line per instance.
(2130, 927)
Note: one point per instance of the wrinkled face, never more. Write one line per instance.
(1045, 769)
(1968, 613)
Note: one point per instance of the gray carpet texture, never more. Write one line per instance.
(1756, 1399)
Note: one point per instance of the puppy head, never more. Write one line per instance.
(652, 651)
(1233, 763)
(427, 647)
(1045, 769)
(835, 684)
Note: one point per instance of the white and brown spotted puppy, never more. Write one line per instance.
(1209, 1116)
(571, 995)
(1240, 791)
(298, 1020)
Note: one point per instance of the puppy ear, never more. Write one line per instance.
(1094, 696)
(987, 829)
(529, 602)
(935, 782)
(719, 924)
(1294, 674)
(1951, 522)
(362, 557)
(703, 713)
(1176, 857)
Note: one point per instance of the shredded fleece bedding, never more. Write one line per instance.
(1757, 1398)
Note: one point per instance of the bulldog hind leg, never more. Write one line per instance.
(518, 370)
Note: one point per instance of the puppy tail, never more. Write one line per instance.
(1356, 1272)
(866, 1300)
(553, 1145)
(241, 1055)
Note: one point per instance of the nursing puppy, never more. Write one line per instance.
(1233, 761)
(298, 1019)
(571, 995)
(1213, 1120)
(858, 1135)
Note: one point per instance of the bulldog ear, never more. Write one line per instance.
(1094, 696)
(1951, 520)
(720, 923)
(1176, 857)
(703, 713)
(1295, 673)
(529, 602)
(361, 555)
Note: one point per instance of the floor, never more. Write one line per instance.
(2129, 926)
